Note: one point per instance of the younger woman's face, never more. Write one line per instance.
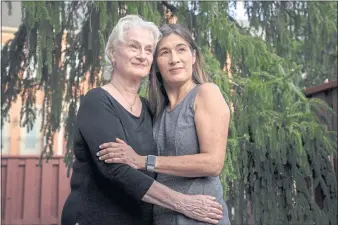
(175, 60)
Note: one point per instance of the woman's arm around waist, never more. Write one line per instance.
(212, 116)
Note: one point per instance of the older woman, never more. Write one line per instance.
(190, 129)
(114, 194)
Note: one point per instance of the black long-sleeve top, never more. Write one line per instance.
(101, 193)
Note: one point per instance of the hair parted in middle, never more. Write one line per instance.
(158, 98)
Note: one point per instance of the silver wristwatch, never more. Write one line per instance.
(150, 163)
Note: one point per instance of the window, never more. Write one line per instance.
(5, 138)
(31, 142)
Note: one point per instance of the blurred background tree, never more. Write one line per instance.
(277, 150)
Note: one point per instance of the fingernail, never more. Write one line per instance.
(98, 154)
(100, 158)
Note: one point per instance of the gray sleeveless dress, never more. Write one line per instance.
(175, 135)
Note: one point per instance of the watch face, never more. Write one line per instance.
(151, 160)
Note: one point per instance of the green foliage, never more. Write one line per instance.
(305, 32)
(278, 149)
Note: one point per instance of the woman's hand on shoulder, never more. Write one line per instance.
(120, 152)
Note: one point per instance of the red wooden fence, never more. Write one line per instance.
(30, 194)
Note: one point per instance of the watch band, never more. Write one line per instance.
(151, 161)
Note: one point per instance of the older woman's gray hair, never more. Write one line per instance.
(117, 36)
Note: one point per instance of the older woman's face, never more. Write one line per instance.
(175, 59)
(134, 56)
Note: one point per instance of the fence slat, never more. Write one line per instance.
(64, 187)
(31, 192)
(4, 188)
(12, 168)
(46, 193)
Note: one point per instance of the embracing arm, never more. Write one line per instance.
(98, 122)
(212, 116)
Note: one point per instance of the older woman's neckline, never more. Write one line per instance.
(121, 106)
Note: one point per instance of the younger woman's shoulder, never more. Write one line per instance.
(209, 89)
(210, 96)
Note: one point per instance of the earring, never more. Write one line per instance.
(112, 65)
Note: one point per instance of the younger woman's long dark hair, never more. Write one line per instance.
(157, 95)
